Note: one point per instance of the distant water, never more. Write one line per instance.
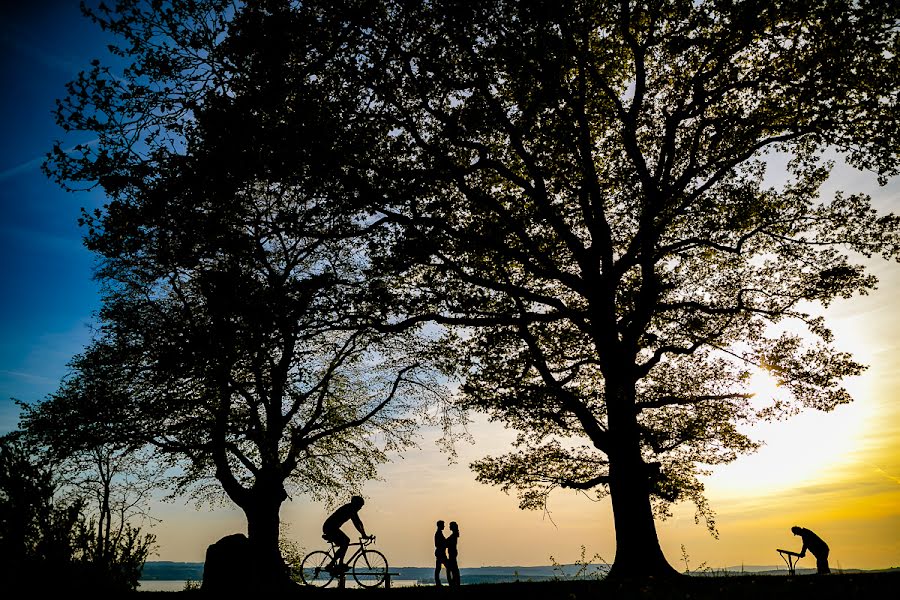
(172, 577)
(152, 585)
(174, 585)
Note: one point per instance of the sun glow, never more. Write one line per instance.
(810, 446)
(765, 388)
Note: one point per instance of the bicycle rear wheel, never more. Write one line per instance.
(312, 569)
(370, 568)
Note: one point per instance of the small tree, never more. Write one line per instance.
(111, 484)
(30, 532)
(116, 486)
(46, 539)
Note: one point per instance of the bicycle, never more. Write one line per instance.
(368, 567)
(790, 558)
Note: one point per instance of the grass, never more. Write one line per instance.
(852, 586)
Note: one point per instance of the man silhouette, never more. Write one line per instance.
(816, 546)
(331, 530)
(440, 553)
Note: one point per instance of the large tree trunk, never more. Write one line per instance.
(262, 512)
(638, 553)
(264, 568)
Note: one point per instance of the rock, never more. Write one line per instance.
(229, 566)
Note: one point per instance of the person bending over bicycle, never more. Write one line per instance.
(816, 546)
(331, 531)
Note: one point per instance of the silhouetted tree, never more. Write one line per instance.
(47, 541)
(235, 335)
(582, 186)
(33, 532)
(111, 483)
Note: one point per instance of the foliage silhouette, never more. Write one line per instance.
(113, 483)
(48, 540)
(575, 190)
(234, 336)
(581, 191)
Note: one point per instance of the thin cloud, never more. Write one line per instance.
(35, 163)
(802, 497)
(33, 52)
(33, 240)
(27, 376)
(25, 167)
(885, 474)
(68, 66)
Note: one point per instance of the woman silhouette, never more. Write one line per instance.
(452, 566)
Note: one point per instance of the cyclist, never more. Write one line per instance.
(331, 531)
(816, 546)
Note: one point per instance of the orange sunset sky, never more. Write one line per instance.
(836, 473)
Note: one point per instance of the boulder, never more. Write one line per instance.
(229, 566)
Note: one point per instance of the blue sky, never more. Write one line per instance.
(47, 294)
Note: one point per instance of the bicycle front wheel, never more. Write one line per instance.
(312, 569)
(370, 568)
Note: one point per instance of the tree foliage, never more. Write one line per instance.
(578, 190)
(48, 539)
(583, 186)
(236, 334)
(111, 481)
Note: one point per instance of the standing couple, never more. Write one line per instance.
(445, 553)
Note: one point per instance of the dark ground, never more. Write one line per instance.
(855, 586)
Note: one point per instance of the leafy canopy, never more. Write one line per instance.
(582, 187)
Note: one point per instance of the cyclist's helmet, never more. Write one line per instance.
(357, 501)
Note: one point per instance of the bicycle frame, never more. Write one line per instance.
(368, 567)
(360, 548)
